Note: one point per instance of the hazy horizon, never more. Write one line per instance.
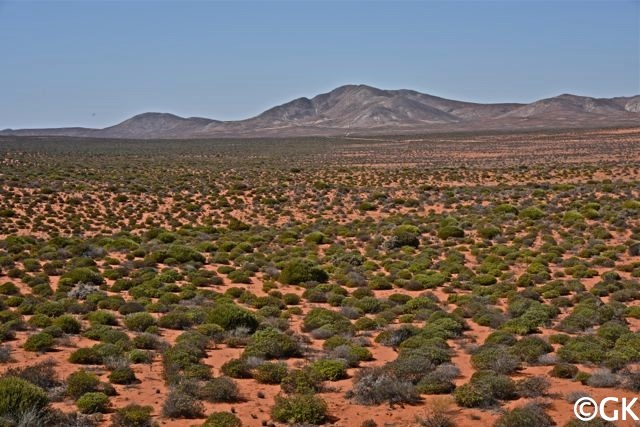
(95, 64)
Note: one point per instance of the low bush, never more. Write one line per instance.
(564, 370)
(221, 389)
(180, 404)
(299, 409)
(530, 415)
(329, 369)
(533, 386)
(322, 317)
(18, 397)
(133, 415)
(470, 396)
(411, 366)
(603, 378)
(102, 317)
(92, 402)
(222, 419)
(123, 375)
(271, 344)
(39, 342)
(583, 349)
(41, 374)
(147, 341)
(270, 373)
(495, 358)
(81, 382)
(449, 231)
(68, 324)
(405, 235)
(436, 414)
(531, 212)
(177, 320)
(529, 349)
(86, 356)
(302, 270)
(301, 381)
(139, 321)
(231, 316)
(140, 356)
(495, 386)
(432, 384)
(236, 368)
(377, 385)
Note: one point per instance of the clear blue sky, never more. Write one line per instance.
(95, 63)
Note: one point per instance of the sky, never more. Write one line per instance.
(95, 63)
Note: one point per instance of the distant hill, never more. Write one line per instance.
(361, 109)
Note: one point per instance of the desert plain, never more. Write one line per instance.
(453, 279)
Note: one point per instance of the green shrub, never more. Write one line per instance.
(506, 208)
(139, 356)
(236, 368)
(489, 232)
(270, 373)
(39, 342)
(484, 280)
(471, 396)
(239, 276)
(231, 316)
(316, 237)
(495, 386)
(177, 320)
(531, 213)
(147, 341)
(564, 370)
(529, 349)
(184, 254)
(92, 402)
(221, 389)
(405, 235)
(86, 356)
(583, 349)
(222, 419)
(299, 409)
(449, 231)
(291, 299)
(68, 324)
(81, 382)
(319, 317)
(530, 415)
(123, 375)
(271, 344)
(435, 383)
(329, 370)
(139, 321)
(495, 358)
(212, 330)
(133, 415)
(82, 275)
(40, 321)
(302, 270)
(301, 381)
(106, 334)
(102, 317)
(18, 396)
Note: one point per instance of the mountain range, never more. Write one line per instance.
(365, 110)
